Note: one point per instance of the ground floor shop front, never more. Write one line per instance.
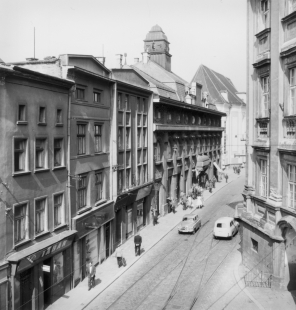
(132, 213)
(95, 235)
(41, 273)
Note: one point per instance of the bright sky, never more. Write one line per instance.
(209, 32)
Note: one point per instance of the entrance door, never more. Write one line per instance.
(47, 282)
(27, 287)
(107, 234)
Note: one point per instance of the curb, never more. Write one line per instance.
(148, 249)
(243, 287)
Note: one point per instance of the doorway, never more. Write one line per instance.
(47, 282)
(107, 234)
(83, 257)
(27, 287)
(118, 220)
(290, 263)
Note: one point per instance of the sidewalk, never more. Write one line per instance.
(79, 297)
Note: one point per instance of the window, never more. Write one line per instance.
(169, 116)
(263, 177)
(80, 93)
(97, 97)
(127, 103)
(42, 115)
(40, 154)
(290, 129)
(265, 13)
(292, 96)
(127, 132)
(82, 192)
(119, 101)
(22, 117)
(292, 186)
(139, 119)
(127, 178)
(20, 223)
(254, 245)
(120, 138)
(20, 154)
(144, 156)
(265, 97)
(139, 138)
(120, 180)
(144, 137)
(139, 156)
(58, 211)
(263, 129)
(144, 120)
(139, 175)
(139, 107)
(40, 216)
(98, 138)
(58, 155)
(99, 185)
(81, 139)
(145, 177)
(292, 6)
(128, 159)
(59, 119)
(145, 108)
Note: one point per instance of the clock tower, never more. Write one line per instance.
(157, 45)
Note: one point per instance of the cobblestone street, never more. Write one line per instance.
(185, 271)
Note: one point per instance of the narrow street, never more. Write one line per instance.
(185, 271)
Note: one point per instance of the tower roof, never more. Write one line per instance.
(156, 33)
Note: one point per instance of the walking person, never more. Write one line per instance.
(138, 242)
(214, 182)
(174, 204)
(226, 177)
(91, 272)
(210, 186)
(119, 255)
(238, 170)
(207, 184)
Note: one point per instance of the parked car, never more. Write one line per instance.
(190, 224)
(225, 227)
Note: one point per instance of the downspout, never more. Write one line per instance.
(72, 90)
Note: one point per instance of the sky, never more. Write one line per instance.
(208, 32)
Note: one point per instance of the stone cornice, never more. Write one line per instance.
(289, 17)
(263, 32)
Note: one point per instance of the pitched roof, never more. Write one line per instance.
(215, 83)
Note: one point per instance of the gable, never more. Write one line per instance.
(131, 77)
(89, 64)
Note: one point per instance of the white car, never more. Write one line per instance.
(225, 227)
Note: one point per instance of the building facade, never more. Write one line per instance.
(36, 239)
(268, 213)
(220, 90)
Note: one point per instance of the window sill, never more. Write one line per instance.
(59, 125)
(22, 243)
(100, 202)
(42, 124)
(58, 168)
(42, 234)
(15, 174)
(289, 16)
(60, 227)
(41, 170)
(83, 210)
(22, 123)
(82, 155)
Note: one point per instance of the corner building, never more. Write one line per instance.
(186, 135)
(269, 210)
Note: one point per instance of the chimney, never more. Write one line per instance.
(146, 57)
(101, 59)
(136, 60)
(118, 61)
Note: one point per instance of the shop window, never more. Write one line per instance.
(99, 186)
(128, 140)
(263, 177)
(292, 186)
(42, 116)
(82, 191)
(58, 155)
(80, 93)
(58, 212)
(22, 113)
(41, 154)
(81, 139)
(264, 105)
(20, 223)
(139, 215)
(40, 215)
(292, 92)
(20, 155)
(98, 138)
(97, 97)
(254, 245)
(59, 120)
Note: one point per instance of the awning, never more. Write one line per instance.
(202, 161)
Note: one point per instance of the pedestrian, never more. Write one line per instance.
(174, 203)
(233, 169)
(119, 255)
(214, 181)
(138, 242)
(189, 202)
(207, 184)
(210, 186)
(238, 170)
(226, 177)
(91, 272)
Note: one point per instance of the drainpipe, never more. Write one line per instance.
(72, 90)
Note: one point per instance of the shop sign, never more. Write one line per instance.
(43, 254)
(94, 220)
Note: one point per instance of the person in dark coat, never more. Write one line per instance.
(91, 272)
(226, 177)
(137, 240)
(210, 186)
(214, 181)
(207, 184)
(238, 171)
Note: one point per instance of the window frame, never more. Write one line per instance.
(26, 223)
(80, 89)
(59, 122)
(83, 189)
(100, 196)
(42, 112)
(79, 136)
(54, 166)
(263, 108)
(45, 224)
(293, 184)
(45, 155)
(97, 93)
(62, 206)
(98, 136)
(263, 190)
(292, 88)
(26, 155)
(25, 120)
